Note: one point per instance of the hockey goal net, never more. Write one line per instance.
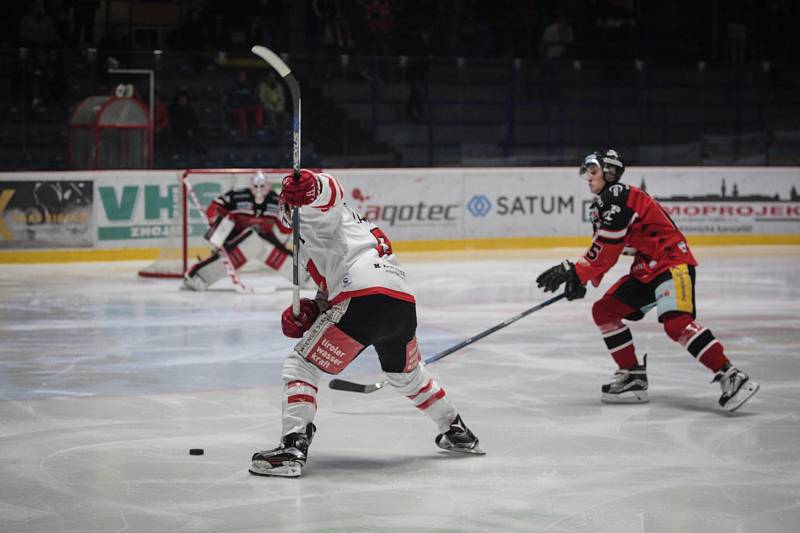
(185, 243)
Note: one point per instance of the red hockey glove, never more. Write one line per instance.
(295, 326)
(301, 191)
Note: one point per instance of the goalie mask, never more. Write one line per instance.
(608, 160)
(259, 187)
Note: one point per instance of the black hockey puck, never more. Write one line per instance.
(196, 451)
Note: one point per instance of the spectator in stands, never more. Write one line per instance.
(161, 129)
(194, 32)
(114, 49)
(419, 63)
(380, 26)
(36, 28)
(41, 64)
(273, 98)
(185, 126)
(242, 103)
(83, 17)
(333, 31)
(557, 37)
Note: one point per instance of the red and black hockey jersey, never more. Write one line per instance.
(240, 205)
(626, 220)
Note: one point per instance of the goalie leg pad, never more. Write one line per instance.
(219, 232)
(245, 248)
(205, 273)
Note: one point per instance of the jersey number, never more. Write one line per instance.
(384, 246)
(594, 251)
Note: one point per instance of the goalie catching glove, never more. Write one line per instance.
(552, 278)
(295, 326)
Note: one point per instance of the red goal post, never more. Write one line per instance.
(184, 241)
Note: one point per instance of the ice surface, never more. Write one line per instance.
(107, 381)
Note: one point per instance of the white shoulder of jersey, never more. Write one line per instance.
(331, 193)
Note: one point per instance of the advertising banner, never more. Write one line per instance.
(718, 201)
(46, 213)
(408, 204)
(138, 209)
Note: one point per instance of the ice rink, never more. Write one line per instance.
(108, 380)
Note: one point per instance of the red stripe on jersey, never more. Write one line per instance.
(430, 401)
(423, 390)
(299, 383)
(372, 290)
(302, 398)
(332, 200)
(318, 278)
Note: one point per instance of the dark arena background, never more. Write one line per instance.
(458, 128)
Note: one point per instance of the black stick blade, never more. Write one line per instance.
(349, 386)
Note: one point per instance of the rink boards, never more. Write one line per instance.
(127, 214)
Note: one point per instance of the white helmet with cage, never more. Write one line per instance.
(259, 186)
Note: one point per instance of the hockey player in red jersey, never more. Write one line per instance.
(363, 300)
(626, 220)
(246, 222)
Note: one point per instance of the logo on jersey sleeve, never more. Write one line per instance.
(616, 189)
(610, 213)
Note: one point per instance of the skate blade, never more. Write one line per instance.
(475, 450)
(749, 388)
(626, 397)
(287, 469)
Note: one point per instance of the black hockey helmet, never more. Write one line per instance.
(609, 160)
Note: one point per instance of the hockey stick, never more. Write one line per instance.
(223, 253)
(285, 72)
(341, 384)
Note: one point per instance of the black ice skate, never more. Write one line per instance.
(459, 439)
(629, 386)
(737, 388)
(288, 459)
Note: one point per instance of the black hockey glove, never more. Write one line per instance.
(552, 278)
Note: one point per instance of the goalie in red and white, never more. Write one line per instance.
(245, 221)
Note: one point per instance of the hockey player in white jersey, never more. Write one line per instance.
(363, 300)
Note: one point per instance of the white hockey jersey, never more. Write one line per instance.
(346, 254)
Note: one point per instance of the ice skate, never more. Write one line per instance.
(459, 439)
(288, 459)
(737, 388)
(629, 386)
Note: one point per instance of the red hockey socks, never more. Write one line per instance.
(608, 314)
(698, 340)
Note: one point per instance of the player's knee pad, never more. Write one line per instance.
(610, 310)
(679, 326)
(407, 383)
(296, 368)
